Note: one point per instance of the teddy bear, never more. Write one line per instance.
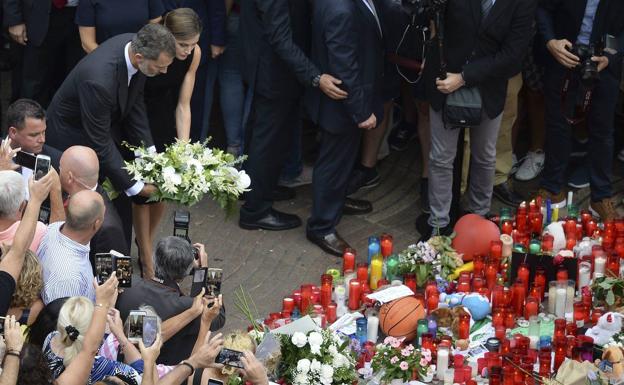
(609, 324)
(477, 305)
(612, 364)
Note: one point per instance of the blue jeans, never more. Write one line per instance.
(231, 89)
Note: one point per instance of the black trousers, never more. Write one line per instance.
(337, 156)
(45, 67)
(271, 123)
(600, 122)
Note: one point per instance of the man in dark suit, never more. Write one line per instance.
(347, 43)
(274, 37)
(484, 44)
(100, 104)
(79, 170)
(46, 30)
(564, 25)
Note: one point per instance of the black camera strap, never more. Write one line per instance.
(580, 110)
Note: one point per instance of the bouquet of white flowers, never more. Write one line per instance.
(186, 171)
(316, 358)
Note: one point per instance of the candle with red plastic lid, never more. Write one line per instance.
(348, 260)
(386, 245)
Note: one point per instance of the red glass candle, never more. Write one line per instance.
(491, 272)
(496, 249)
(536, 223)
(316, 295)
(579, 313)
(570, 241)
(386, 245)
(569, 227)
(355, 291)
(613, 265)
(517, 298)
(479, 265)
(330, 312)
(540, 281)
(348, 261)
(477, 283)
(571, 328)
(596, 313)
(431, 289)
(507, 227)
(464, 327)
(523, 276)
(562, 274)
(590, 227)
(560, 352)
(362, 272)
(498, 299)
(547, 243)
(560, 325)
(536, 292)
(531, 307)
(521, 222)
(326, 290)
(306, 298)
(288, 304)
(498, 317)
(463, 287)
(409, 280)
(432, 302)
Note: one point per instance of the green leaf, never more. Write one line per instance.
(610, 298)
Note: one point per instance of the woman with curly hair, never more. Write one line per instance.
(26, 302)
(33, 367)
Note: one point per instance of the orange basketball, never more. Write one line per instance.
(399, 318)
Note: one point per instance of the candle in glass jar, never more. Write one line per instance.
(355, 291)
(600, 263)
(507, 242)
(373, 248)
(560, 299)
(326, 290)
(306, 298)
(362, 272)
(372, 328)
(330, 313)
(288, 304)
(409, 280)
(464, 327)
(531, 308)
(540, 281)
(386, 245)
(496, 249)
(523, 276)
(348, 261)
(442, 361)
(376, 272)
(584, 274)
(340, 294)
(506, 227)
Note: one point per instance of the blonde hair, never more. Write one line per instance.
(30, 281)
(76, 312)
(184, 23)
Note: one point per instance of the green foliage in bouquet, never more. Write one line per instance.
(186, 171)
(398, 361)
(431, 259)
(449, 259)
(610, 290)
(319, 357)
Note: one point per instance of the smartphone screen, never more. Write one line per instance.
(150, 330)
(199, 280)
(44, 215)
(42, 166)
(123, 267)
(134, 326)
(230, 358)
(213, 282)
(103, 266)
(25, 159)
(212, 381)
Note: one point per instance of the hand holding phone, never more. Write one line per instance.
(134, 326)
(42, 166)
(123, 267)
(229, 357)
(103, 266)
(150, 330)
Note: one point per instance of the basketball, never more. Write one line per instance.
(399, 318)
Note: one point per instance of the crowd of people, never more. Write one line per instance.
(88, 75)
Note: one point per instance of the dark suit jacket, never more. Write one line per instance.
(274, 39)
(487, 51)
(111, 234)
(168, 301)
(562, 19)
(95, 107)
(34, 13)
(348, 45)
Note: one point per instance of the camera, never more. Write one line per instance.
(418, 7)
(587, 69)
(181, 221)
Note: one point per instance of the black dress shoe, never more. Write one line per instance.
(274, 221)
(363, 179)
(281, 193)
(506, 194)
(356, 207)
(332, 243)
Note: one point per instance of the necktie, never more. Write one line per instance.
(486, 6)
(60, 4)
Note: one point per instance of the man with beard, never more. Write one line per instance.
(100, 105)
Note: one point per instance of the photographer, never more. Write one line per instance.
(585, 57)
(483, 47)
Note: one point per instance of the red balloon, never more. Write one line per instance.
(473, 236)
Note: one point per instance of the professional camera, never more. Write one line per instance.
(587, 69)
(417, 7)
(181, 221)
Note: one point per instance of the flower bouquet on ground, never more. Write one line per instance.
(186, 171)
(316, 358)
(428, 260)
(400, 362)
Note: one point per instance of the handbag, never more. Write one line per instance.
(463, 108)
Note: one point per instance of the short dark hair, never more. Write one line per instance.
(173, 258)
(152, 40)
(20, 110)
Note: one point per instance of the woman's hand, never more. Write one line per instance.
(253, 371)
(115, 324)
(210, 313)
(151, 353)
(106, 293)
(13, 335)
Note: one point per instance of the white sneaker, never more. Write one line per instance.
(531, 167)
(514, 164)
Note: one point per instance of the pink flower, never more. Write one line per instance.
(403, 365)
(405, 352)
(395, 343)
(426, 353)
(394, 360)
(423, 362)
(410, 347)
(388, 340)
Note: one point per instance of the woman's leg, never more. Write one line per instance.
(141, 223)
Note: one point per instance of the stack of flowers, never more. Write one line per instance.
(430, 260)
(402, 363)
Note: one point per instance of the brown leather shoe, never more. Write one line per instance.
(605, 209)
(332, 243)
(556, 200)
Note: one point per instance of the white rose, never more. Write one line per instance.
(244, 181)
(303, 366)
(339, 361)
(327, 372)
(168, 171)
(315, 340)
(315, 366)
(300, 379)
(332, 350)
(299, 339)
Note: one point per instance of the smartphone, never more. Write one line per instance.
(150, 330)
(103, 267)
(25, 159)
(212, 381)
(44, 215)
(134, 325)
(230, 357)
(42, 166)
(213, 282)
(123, 267)
(199, 281)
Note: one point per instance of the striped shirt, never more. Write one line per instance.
(66, 268)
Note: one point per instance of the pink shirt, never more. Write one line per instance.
(7, 235)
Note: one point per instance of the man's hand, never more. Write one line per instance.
(106, 293)
(329, 86)
(603, 62)
(56, 180)
(18, 33)
(150, 354)
(559, 50)
(203, 257)
(207, 352)
(39, 190)
(7, 154)
(452, 83)
(369, 123)
(216, 51)
(209, 314)
(198, 304)
(148, 190)
(253, 371)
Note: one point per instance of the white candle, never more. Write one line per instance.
(347, 278)
(584, 274)
(600, 263)
(569, 307)
(443, 361)
(560, 301)
(552, 293)
(507, 245)
(534, 342)
(372, 328)
(449, 376)
(341, 308)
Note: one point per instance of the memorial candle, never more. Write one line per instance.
(326, 290)
(496, 250)
(355, 291)
(288, 304)
(409, 279)
(372, 328)
(306, 298)
(376, 272)
(600, 263)
(560, 298)
(584, 275)
(373, 248)
(507, 227)
(531, 308)
(442, 361)
(386, 245)
(348, 260)
(540, 281)
(330, 313)
(613, 264)
(523, 276)
(517, 298)
(362, 272)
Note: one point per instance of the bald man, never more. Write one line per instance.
(64, 250)
(79, 170)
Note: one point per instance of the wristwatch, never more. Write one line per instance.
(316, 80)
